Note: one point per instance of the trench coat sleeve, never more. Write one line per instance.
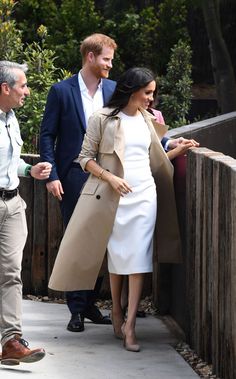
(91, 141)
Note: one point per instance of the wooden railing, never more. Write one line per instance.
(211, 262)
(200, 294)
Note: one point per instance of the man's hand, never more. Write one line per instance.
(55, 188)
(41, 170)
(175, 142)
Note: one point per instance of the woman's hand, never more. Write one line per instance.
(175, 142)
(119, 185)
(181, 149)
(183, 146)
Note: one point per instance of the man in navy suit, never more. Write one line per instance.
(69, 105)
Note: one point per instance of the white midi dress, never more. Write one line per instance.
(130, 246)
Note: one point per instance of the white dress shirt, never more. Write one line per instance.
(11, 165)
(90, 104)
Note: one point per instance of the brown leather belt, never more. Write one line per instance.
(8, 194)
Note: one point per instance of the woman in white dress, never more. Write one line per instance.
(118, 205)
(130, 245)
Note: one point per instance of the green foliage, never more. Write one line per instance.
(145, 31)
(137, 50)
(147, 38)
(67, 22)
(175, 87)
(149, 34)
(41, 75)
(172, 27)
(72, 23)
(120, 28)
(30, 14)
(10, 37)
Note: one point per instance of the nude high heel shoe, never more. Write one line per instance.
(135, 348)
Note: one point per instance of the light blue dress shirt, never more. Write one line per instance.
(11, 165)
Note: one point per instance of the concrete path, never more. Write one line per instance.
(95, 353)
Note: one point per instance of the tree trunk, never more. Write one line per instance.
(221, 62)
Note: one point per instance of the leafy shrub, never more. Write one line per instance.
(144, 31)
(72, 23)
(10, 37)
(41, 75)
(175, 87)
(145, 36)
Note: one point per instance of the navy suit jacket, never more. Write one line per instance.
(63, 126)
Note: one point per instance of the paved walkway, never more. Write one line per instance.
(95, 353)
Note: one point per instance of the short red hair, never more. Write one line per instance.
(95, 43)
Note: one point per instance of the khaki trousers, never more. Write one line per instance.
(13, 234)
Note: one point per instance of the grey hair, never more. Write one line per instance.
(8, 74)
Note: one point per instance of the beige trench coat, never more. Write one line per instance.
(83, 246)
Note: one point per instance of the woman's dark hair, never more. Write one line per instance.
(129, 82)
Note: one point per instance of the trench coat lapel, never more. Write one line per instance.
(113, 139)
(119, 142)
(160, 129)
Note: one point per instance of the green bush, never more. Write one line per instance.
(30, 14)
(144, 31)
(10, 37)
(172, 27)
(41, 75)
(175, 87)
(138, 31)
(145, 36)
(72, 23)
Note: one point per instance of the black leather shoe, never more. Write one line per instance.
(76, 324)
(93, 314)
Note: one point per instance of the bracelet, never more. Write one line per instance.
(100, 174)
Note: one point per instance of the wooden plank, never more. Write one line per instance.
(206, 259)
(198, 255)
(233, 269)
(224, 284)
(190, 245)
(229, 366)
(39, 255)
(54, 236)
(26, 192)
(215, 268)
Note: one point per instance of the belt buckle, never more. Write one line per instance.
(7, 195)
(3, 196)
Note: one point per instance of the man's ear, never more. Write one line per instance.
(5, 89)
(90, 56)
